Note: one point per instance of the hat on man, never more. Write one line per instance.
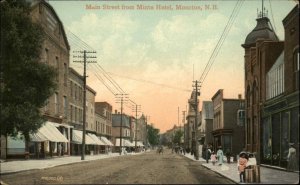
(291, 144)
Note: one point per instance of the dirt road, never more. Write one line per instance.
(146, 168)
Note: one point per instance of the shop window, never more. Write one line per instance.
(275, 139)
(266, 141)
(284, 138)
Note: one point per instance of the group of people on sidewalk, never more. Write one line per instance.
(247, 160)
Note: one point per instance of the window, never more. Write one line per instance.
(75, 89)
(71, 113)
(254, 92)
(57, 68)
(275, 81)
(248, 96)
(241, 117)
(71, 89)
(47, 56)
(56, 102)
(65, 74)
(46, 105)
(296, 68)
(75, 114)
(65, 106)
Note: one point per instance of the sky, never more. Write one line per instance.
(154, 54)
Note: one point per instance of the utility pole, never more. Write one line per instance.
(136, 111)
(121, 130)
(183, 123)
(85, 57)
(197, 93)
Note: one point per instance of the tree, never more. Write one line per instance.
(26, 83)
(153, 135)
(177, 137)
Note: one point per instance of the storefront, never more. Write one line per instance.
(92, 143)
(280, 126)
(48, 142)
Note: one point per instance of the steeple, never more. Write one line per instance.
(262, 30)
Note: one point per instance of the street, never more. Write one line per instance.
(149, 167)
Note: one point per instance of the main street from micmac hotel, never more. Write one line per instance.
(146, 168)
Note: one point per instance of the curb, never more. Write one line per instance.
(220, 174)
(214, 171)
(47, 167)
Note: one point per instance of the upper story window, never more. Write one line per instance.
(254, 93)
(248, 95)
(57, 68)
(65, 74)
(51, 21)
(46, 56)
(296, 68)
(56, 103)
(241, 117)
(275, 78)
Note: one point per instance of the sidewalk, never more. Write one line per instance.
(23, 165)
(267, 175)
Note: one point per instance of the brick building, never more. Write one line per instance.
(262, 48)
(280, 114)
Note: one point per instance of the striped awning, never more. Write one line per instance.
(48, 132)
(96, 139)
(125, 142)
(106, 141)
(77, 138)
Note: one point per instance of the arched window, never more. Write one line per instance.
(296, 68)
(254, 93)
(248, 96)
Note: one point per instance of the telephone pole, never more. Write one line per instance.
(197, 93)
(136, 111)
(121, 131)
(85, 57)
(183, 123)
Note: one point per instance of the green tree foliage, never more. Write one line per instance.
(153, 135)
(177, 137)
(26, 83)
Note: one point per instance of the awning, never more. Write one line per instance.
(125, 142)
(48, 132)
(77, 138)
(106, 141)
(96, 139)
(139, 143)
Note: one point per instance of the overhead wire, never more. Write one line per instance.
(221, 40)
(272, 16)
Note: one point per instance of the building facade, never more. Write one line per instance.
(227, 132)
(90, 110)
(280, 114)
(262, 48)
(191, 127)
(103, 118)
(55, 53)
(206, 123)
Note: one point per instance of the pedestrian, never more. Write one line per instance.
(220, 155)
(292, 159)
(208, 153)
(213, 158)
(242, 164)
(59, 149)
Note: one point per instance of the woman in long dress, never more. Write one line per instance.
(292, 159)
(220, 155)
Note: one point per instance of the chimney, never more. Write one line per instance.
(240, 96)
